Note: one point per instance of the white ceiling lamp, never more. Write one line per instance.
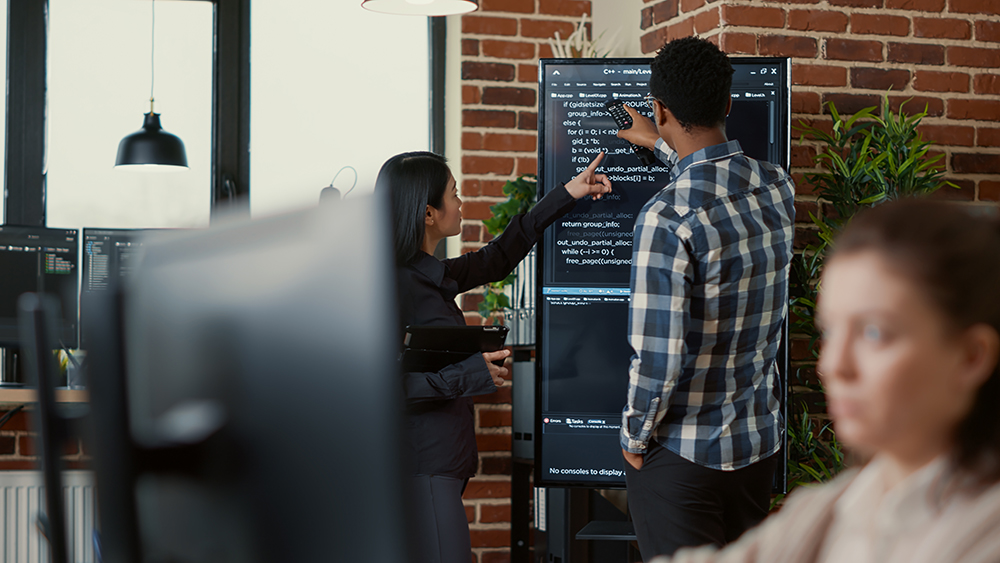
(421, 7)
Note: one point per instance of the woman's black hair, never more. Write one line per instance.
(954, 257)
(414, 180)
(692, 78)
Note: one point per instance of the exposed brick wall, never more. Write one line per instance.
(501, 45)
(669, 19)
(945, 54)
(488, 496)
(18, 442)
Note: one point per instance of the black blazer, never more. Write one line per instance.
(439, 419)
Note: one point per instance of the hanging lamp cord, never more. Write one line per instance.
(337, 175)
(152, 55)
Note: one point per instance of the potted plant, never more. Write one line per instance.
(520, 199)
(866, 160)
(580, 45)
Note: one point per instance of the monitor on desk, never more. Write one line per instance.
(109, 255)
(38, 260)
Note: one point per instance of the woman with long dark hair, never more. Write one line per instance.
(426, 208)
(909, 308)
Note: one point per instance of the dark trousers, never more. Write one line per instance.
(441, 526)
(677, 503)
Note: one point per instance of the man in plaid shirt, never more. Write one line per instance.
(709, 293)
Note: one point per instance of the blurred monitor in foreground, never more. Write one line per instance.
(246, 400)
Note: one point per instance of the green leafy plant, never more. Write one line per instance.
(866, 159)
(818, 455)
(520, 199)
(814, 454)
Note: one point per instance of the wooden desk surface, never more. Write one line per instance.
(12, 396)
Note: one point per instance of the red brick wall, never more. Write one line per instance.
(669, 19)
(487, 498)
(17, 446)
(501, 45)
(944, 54)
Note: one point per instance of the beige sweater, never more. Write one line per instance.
(965, 528)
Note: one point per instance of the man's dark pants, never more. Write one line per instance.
(677, 503)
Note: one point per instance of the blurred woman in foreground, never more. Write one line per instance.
(910, 314)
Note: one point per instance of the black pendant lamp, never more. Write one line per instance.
(151, 147)
(421, 7)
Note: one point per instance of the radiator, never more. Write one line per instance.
(21, 499)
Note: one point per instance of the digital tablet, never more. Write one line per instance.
(466, 339)
(415, 359)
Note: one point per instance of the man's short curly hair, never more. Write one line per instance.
(692, 78)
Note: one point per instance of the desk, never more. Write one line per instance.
(10, 397)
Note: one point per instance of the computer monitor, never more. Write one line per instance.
(582, 351)
(108, 255)
(247, 400)
(38, 260)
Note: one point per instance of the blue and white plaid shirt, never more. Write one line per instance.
(709, 294)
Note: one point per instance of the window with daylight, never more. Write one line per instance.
(332, 85)
(100, 73)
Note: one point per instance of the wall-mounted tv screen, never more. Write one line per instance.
(584, 259)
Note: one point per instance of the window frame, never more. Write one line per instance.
(24, 173)
(24, 181)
